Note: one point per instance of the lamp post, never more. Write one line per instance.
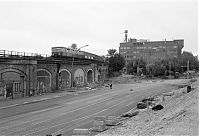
(73, 64)
(188, 69)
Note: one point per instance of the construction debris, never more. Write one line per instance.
(176, 115)
(99, 126)
(141, 105)
(188, 88)
(130, 114)
(112, 121)
(81, 132)
(157, 107)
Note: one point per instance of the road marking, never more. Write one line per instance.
(129, 104)
(44, 99)
(22, 115)
(37, 100)
(64, 113)
(85, 117)
(56, 96)
(59, 131)
(97, 102)
(75, 120)
(8, 106)
(30, 113)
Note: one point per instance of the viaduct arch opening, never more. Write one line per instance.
(43, 81)
(12, 82)
(90, 76)
(64, 79)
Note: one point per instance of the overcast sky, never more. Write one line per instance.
(37, 25)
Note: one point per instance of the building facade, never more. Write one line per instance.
(150, 51)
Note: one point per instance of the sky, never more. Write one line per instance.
(35, 26)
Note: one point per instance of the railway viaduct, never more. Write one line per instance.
(25, 74)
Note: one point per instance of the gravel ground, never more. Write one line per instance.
(178, 117)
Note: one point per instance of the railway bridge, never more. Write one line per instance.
(27, 73)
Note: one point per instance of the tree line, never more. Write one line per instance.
(170, 66)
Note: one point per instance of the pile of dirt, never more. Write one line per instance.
(177, 116)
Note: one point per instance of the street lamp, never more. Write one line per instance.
(73, 64)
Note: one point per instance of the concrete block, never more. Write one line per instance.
(112, 120)
(100, 118)
(81, 132)
(99, 128)
(168, 94)
(98, 123)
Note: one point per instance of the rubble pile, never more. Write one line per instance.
(172, 113)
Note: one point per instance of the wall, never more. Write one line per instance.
(44, 76)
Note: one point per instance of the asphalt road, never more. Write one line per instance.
(63, 114)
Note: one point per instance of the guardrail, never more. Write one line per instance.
(15, 54)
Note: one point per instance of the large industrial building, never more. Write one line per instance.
(150, 51)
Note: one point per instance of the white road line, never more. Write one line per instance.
(61, 130)
(129, 104)
(25, 102)
(63, 113)
(56, 96)
(74, 120)
(89, 98)
(8, 106)
(85, 117)
(79, 101)
(44, 99)
(30, 113)
(60, 96)
(22, 115)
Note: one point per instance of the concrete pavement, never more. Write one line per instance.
(7, 103)
(63, 114)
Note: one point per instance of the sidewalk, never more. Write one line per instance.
(7, 103)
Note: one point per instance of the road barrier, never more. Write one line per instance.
(99, 126)
(81, 132)
(54, 135)
(112, 121)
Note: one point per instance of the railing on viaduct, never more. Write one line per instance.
(21, 55)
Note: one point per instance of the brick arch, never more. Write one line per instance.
(90, 76)
(14, 79)
(44, 80)
(79, 76)
(13, 70)
(67, 82)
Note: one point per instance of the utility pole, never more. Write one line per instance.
(138, 69)
(169, 70)
(73, 59)
(188, 69)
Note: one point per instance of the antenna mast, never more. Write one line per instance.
(126, 35)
